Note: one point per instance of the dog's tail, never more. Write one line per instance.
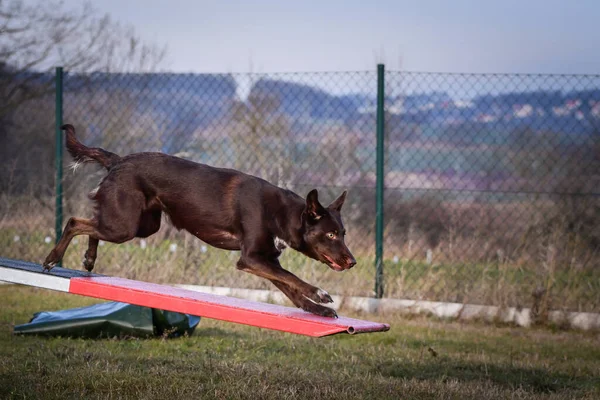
(83, 154)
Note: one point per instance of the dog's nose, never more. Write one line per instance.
(351, 263)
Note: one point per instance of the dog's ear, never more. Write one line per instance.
(339, 202)
(314, 210)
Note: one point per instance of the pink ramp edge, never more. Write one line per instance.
(270, 316)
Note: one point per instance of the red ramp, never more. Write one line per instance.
(262, 315)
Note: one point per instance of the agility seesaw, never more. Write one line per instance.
(230, 309)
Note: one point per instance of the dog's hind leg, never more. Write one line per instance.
(148, 225)
(89, 259)
(117, 220)
(74, 227)
(89, 227)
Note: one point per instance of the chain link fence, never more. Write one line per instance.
(491, 181)
(492, 189)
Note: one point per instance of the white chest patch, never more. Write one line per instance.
(280, 244)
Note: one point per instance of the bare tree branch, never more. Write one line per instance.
(35, 39)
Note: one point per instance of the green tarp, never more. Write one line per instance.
(112, 319)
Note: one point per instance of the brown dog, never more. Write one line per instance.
(223, 207)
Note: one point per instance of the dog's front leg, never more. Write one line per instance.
(302, 302)
(302, 294)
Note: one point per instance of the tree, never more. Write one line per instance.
(34, 39)
(263, 131)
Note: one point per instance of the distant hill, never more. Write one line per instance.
(307, 102)
(187, 102)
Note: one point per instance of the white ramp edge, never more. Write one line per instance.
(45, 281)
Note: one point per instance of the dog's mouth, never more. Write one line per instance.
(332, 264)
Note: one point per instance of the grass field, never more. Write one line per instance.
(418, 358)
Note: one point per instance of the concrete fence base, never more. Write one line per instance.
(518, 316)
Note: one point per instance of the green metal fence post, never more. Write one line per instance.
(379, 183)
(58, 120)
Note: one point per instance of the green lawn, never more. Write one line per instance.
(417, 358)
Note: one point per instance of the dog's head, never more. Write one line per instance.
(324, 233)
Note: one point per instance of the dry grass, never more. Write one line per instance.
(484, 255)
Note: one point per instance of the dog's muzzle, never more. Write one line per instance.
(348, 263)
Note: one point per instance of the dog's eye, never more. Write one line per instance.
(330, 235)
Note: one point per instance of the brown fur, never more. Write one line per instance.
(223, 207)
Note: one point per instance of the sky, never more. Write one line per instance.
(469, 36)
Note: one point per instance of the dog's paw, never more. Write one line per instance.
(88, 263)
(320, 296)
(323, 296)
(48, 266)
(319, 310)
(50, 261)
(327, 312)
